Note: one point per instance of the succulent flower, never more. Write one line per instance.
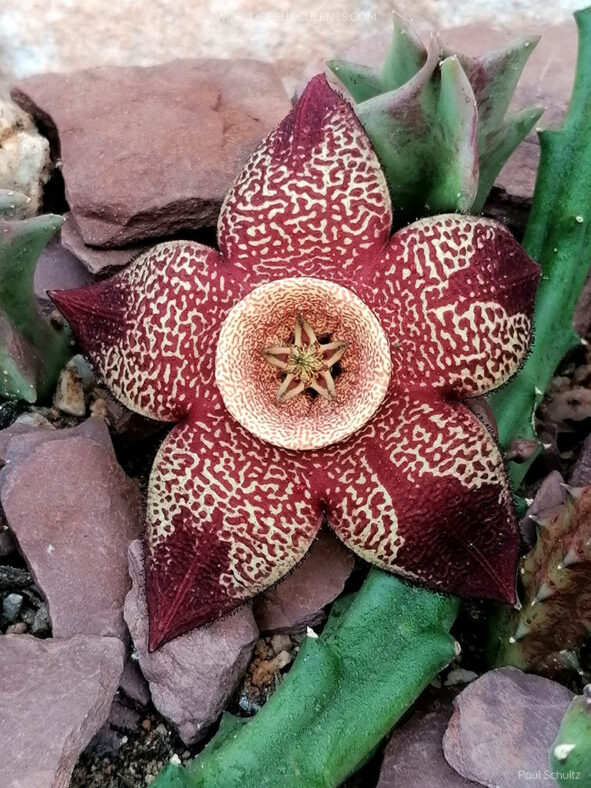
(379, 339)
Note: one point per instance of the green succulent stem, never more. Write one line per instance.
(558, 236)
(570, 754)
(345, 691)
(32, 350)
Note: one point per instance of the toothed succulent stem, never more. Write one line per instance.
(570, 754)
(304, 735)
(558, 237)
(437, 120)
(32, 350)
(555, 593)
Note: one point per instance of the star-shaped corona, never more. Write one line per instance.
(387, 452)
(306, 362)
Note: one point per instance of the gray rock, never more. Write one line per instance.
(73, 524)
(11, 606)
(300, 599)
(148, 152)
(502, 727)
(54, 697)
(192, 677)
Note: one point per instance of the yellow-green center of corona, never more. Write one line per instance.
(306, 363)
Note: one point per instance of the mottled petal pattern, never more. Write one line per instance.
(456, 297)
(422, 491)
(228, 516)
(151, 329)
(312, 197)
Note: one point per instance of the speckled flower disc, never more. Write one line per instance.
(248, 384)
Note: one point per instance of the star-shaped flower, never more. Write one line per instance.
(389, 455)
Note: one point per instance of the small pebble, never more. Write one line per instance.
(281, 642)
(146, 724)
(161, 729)
(40, 625)
(17, 629)
(11, 606)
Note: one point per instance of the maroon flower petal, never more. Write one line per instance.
(228, 516)
(456, 298)
(150, 330)
(313, 194)
(421, 491)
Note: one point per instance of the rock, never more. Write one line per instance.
(503, 725)
(459, 676)
(21, 427)
(11, 577)
(107, 742)
(133, 684)
(571, 404)
(148, 152)
(58, 269)
(97, 261)
(414, 753)
(41, 625)
(192, 677)
(299, 600)
(73, 524)
(54, 696)
(549, 499)
(122, 717)
(581, 474)
(7, 545)
(24, 156)
(69, 393)
(11, 607)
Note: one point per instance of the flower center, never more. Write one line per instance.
(302, 363)
(306, 363)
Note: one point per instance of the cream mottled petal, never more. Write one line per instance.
(422, 491)
(456, 297)
(228, 516)
(151, 329)
(312, 197)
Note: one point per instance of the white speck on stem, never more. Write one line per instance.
(561, 751)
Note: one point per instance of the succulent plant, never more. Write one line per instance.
(555, 593)
(316, 729)
(558, 237)
(32, 349)
(438, 119)
(310, 295)
(570, 754)
(12, 203)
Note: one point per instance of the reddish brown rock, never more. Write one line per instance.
(54, 697)
(300, 599)
(414, 754)
(96, 260)
(147, 152)
(192, 677)
(503, 725)
(73, 511)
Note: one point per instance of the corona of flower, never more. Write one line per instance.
(316, 367)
